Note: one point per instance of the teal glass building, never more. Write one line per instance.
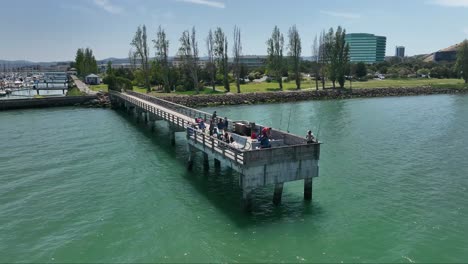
(367, 48)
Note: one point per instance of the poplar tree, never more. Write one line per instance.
(294, 53)
(161, 45)
(210, 47)
(237, 51)
(140, 44)
(275, 55)
(188, 51)
(221, 55)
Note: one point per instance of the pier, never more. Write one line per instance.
(289, 159)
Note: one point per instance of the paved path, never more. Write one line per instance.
(82, 86)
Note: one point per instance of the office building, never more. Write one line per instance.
(367, 48)
(400, 52)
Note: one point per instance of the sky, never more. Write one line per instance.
(52, 30)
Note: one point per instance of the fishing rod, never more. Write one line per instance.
(289, 121)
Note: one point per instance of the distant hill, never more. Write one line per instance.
(430, 57)
(22, 63)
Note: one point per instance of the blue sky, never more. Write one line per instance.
(51, 30)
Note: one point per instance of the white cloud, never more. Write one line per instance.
(108, 6)
(451, 3)
(340, 14)
(205, 2)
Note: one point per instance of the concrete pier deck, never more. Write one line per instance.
(292, 159)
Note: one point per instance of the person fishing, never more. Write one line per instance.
(310, 137)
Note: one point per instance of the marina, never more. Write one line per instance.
(30, 84)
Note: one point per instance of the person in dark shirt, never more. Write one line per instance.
(226, 123)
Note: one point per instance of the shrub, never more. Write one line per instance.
(118, 83)
(180, 88)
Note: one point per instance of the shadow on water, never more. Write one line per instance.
(220, 186)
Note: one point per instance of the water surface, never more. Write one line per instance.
(90, 185)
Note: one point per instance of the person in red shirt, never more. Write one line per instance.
(253, 135)
(266, 132)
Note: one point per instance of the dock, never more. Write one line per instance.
(289, 159)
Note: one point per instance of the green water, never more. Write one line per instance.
(81, 185)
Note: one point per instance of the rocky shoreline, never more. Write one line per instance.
(296, 96)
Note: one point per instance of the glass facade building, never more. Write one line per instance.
(400, 52)
(367, 48)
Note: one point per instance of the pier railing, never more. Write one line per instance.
(197, 136)
(187, 111)
(216, 146)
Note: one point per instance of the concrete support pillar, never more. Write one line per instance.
(308, 189)
(217, 163)
(206, 161)
(278, 194)
(191, 157)
(145, 117)
(138, 115)
(247, 201)
(172, 137)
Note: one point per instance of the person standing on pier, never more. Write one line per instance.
(310, 138)
(226, 124)
(214, 116)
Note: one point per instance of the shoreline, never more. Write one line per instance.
(297, 96)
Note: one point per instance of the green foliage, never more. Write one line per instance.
(462, 60)
(275, 55)
(294, 53)
(118, 83)
(75, 92)
(180, 88)
(85, 62)
(140, 44)
(361, 70)
(337, 55)
(109, 70)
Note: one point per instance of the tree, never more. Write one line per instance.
(211, 66)
(85, 62)
(140, 43)
(315, 61)
(462, 60)
(275, 55)
(79, 60)
(161, 45)
(109, 68)
(361, 70)
(337, 55)
(188, 51)
(237, 52)
(133, 59)
(323, 56)
(295, 50)
(220, 52)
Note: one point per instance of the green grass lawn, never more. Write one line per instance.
(389, 83)
(100, 87)
(310, 84)
(75, 92)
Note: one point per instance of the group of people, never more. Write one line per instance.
(218, 128)
(264, 138)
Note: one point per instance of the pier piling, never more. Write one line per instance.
(278, 194)
(308, 189)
